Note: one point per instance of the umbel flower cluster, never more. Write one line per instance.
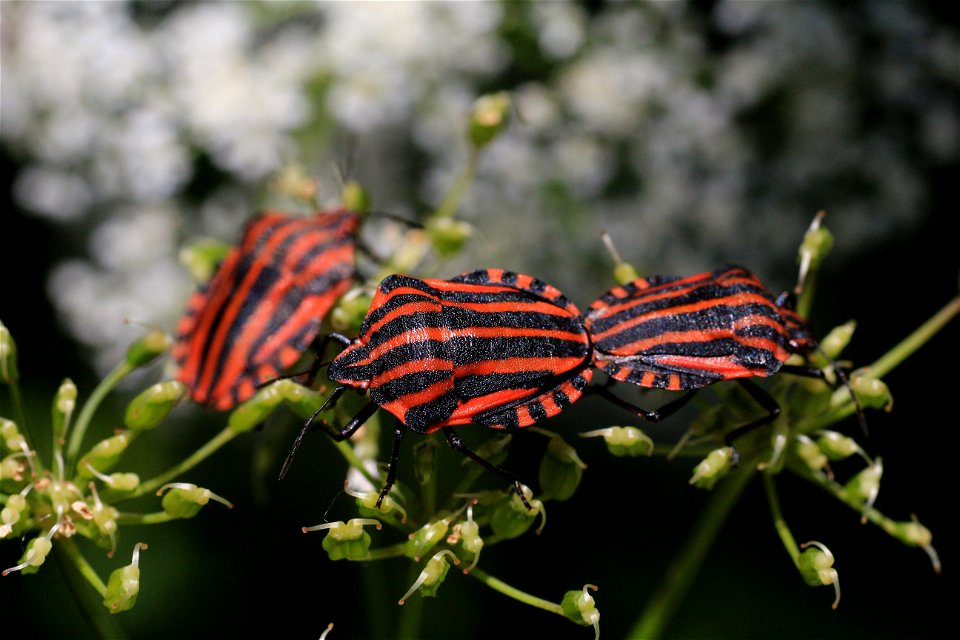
(79, 490)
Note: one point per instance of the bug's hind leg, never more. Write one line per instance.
(654, 415)
(456, 443)
(765, 400)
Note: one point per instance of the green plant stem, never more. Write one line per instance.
(346, 450)
(451, 202)
(521, 596)
(190, 462)
(80, 576)
(681, 573)
(410, 624)
(393, 551)
(915, 340)
(21, 417)
(783, 530)
(89, 407)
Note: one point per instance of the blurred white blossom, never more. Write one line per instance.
(694, 136)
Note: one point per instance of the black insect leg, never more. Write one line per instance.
(813, 372)
(362, 416)
(454, 439)
(765, 400)
(398, 430)
(656, 415)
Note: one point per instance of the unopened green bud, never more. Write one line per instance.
(123, 585)
(625, 273)
(13, 440)
(8, 357)
(355, 197)
(624, 441)
(301, 400)
(810, 453)
(346, 540)
(12, 470)
(448, 235)
(350, 310)
(716, 465)
(865, 486)
(425, 538)
(915, 534)
(202, 257)
(816, 244)
(468, 534)
(64, 402)
(432, 575)
(151, 406)
(816, 566)
(185, 500)
(118, 481)
(511, 518)
(837, 446)
(254, 411)
(36, 553)
(580, 607)
(837, 340)
(367, 503)
(103, 455)
(489, 117)
(561, 469)
(145, 350)
(873, 393)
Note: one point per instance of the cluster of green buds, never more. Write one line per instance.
(77, 493)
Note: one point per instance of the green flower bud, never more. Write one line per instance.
(511, 518)
(103, 455)
(123, 585)
(346, 540)
(185, 500)
(12, 439)
(837, 446)
(468, 534)
(432, 575)
(202, 257)
(716, 465)
(865, 485)
(10, 515)
(816, 244)
(301, 400)
(916, 535)
(146, 349)
(579, 607)
(64, 403)
(816, 566)
(837, 340)
(36, 553)
(623, 272)
(254, 411)
(873, 393)
(117, 481)
(448, 235)
(367, 503)
(12, 470)
(355, 198)
(151, 406)
(624, 441)
(808, 451)
(8, 357)
(489, 117)
(425, 538)
(560, 469)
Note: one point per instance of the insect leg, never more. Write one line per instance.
(656, 415)
(398, 430)
(765, 400)
(455, 442)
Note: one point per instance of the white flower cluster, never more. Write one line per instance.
(692, 138)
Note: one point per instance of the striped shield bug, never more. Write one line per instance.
(264, 305)
(491, 348)
(682, 334)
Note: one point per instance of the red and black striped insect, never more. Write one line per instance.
(491, 348)
(682, 334)
(264, 306)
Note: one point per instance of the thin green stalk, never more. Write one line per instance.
(451, 201)
(346, 450)
(145, 518)
(89, 407)
(188, 463)
(521, 596)
(915, 340)
(20, 416)
(680, 575)
(783, 530)
(80, 576)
